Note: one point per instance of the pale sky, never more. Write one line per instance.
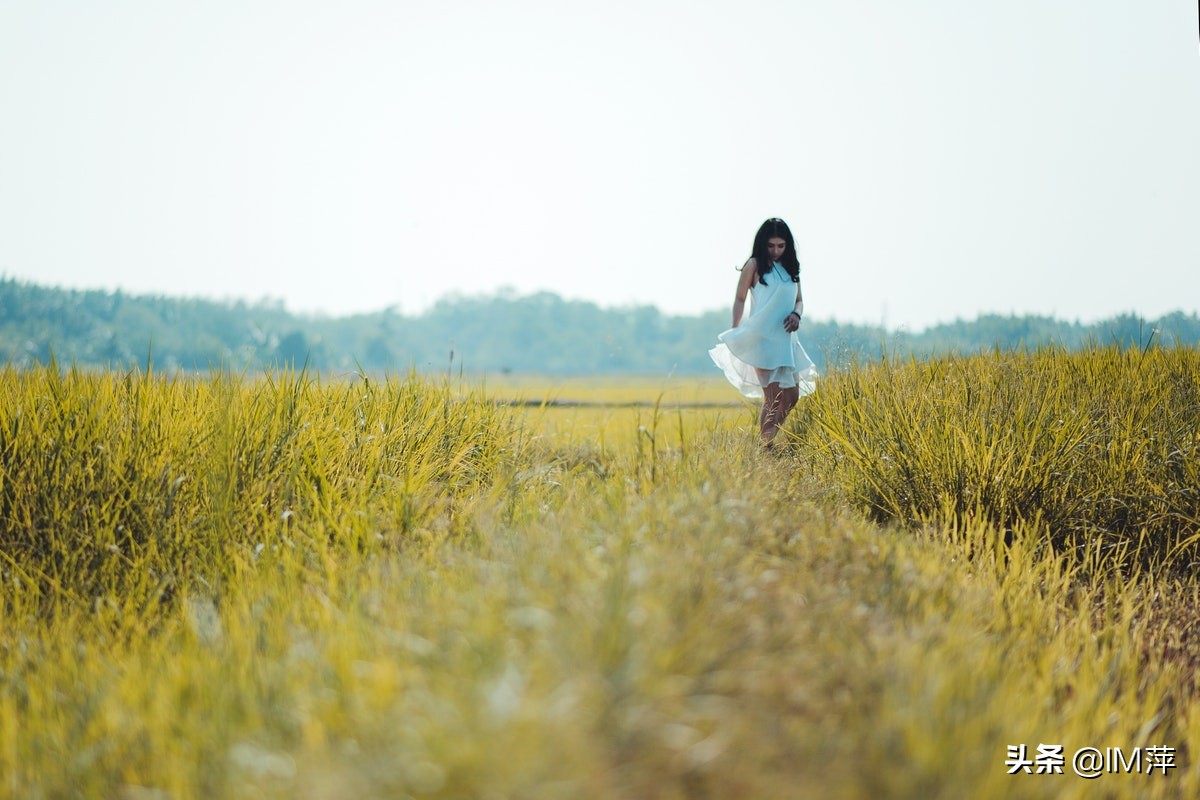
(936, 159)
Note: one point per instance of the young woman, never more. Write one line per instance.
(761, 355)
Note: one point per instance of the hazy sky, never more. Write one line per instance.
(935, 158)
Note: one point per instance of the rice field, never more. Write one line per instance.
(282, 586)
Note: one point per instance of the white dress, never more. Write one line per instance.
(761, 343)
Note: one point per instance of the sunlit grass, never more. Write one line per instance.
(666, 390)
(1099, 445)
(404, 588)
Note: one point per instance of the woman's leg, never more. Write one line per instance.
(777, 404)
(771, 416)
(787, 401)
(769, 389)
(788, 398)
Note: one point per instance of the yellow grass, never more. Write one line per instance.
(232, 587)
(668, 390)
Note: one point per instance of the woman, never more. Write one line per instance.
(761, 354)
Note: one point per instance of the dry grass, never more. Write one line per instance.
(1100, 446)
(403, 589)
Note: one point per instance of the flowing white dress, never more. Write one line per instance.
(759, 351)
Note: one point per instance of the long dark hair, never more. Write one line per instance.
(769, 230)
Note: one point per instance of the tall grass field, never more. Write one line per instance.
(949, 579)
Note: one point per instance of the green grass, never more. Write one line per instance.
(278, 587)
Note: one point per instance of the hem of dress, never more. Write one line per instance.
(744, 376)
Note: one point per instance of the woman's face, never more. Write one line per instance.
(775, 247)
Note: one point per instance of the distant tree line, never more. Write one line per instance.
(498, 333)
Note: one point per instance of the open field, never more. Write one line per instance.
(623, 390)
(622, 412)
(216, 587)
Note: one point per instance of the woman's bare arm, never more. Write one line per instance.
(745, 281)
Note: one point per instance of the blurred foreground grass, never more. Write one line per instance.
(281, 588)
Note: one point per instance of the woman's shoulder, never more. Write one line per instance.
(751, 263)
